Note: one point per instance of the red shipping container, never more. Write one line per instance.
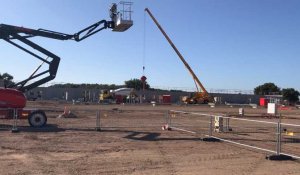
(263, 102)
(166, 99)
(119, 99)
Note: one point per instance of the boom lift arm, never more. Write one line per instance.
(205, 98)
(10, 33)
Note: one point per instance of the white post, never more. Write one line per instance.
(15, 117)
(98, 128)
(210, 126)
(67, 94)
(170, 119)
(278, 142)
(227, 122)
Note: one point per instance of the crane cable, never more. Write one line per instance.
(144, 44)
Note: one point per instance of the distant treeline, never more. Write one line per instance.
(88, 86)
(101, 86)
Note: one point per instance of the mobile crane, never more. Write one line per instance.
(12, 98)
(200, 97)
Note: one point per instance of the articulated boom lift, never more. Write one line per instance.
(12, 97)
(199, 96)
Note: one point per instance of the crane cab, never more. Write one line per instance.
(122, 18)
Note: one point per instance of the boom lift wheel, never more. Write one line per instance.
(37, 119)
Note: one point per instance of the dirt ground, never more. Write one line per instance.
(131, 141)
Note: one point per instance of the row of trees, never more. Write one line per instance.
(88, 86)
(289, 94)
(137, 84)
(133, 83)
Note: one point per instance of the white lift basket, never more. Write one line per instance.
(121, 17)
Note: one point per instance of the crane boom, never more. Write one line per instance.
(195, 78)
(197, 81)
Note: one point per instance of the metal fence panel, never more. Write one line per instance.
(188, 122)
(260, 135)
(290, 143)
(112, 119)
(269, 136)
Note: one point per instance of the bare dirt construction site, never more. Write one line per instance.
(131, 141)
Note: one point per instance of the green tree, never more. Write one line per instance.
(7, 78)
(291, 95)
(87, 86)
(137, 84)
(267, 89)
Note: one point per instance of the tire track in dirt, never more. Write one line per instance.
(46, 163)
(165, 159)
(293, 172)
(222, 156)
(25, 162)
(228, 157)
(253, 166)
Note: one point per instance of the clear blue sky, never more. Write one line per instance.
(230, 44)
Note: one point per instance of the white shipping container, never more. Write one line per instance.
(272, 108)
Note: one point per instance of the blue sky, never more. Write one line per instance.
(230, 44)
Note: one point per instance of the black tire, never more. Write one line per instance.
(37, 119)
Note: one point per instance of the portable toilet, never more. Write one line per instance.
(218, 124)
